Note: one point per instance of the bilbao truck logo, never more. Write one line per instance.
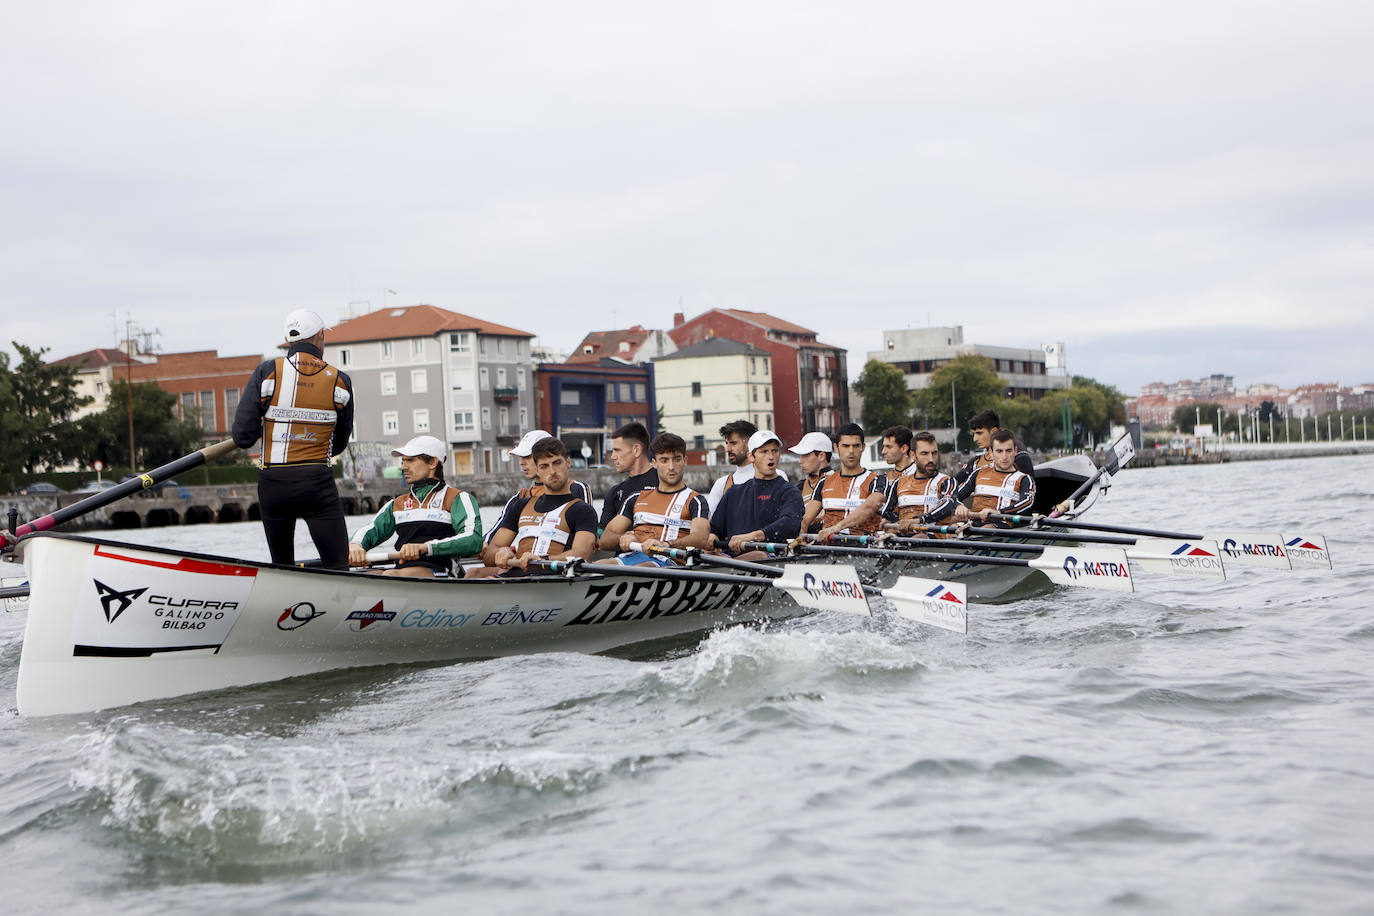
(362, 619)
(1231, 548)
(298, 615)
(110, 597)
(1077, 570)
(817, 588)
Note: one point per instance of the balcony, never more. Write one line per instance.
(505, 395)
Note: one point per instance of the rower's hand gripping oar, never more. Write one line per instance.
(134, 485)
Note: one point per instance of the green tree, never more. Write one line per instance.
(976, 386)
(887, 402)
(36, 400)
(1185, 417)
(160, 436)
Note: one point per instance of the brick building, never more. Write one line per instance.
(583, 403)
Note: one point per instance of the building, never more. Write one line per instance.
(918, 352)
(95, 371)
(703, 386)
(634, 344)
(584, 403)
(810, 378)
(422, 369)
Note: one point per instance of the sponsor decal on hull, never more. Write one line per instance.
(645, 599)
(129, 606)
(372, 614)
(298, 615)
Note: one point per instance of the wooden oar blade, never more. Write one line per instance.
(1190, 559)
(1307, 551)
(930, 601)
(825, 587)
(1100, 567)
(1252, 548)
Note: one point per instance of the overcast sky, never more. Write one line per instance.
(1172, 189)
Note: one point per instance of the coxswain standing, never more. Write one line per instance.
(998, 487)
(630, 455)
(302, 409)
(852, 501)
(668, 514)
(982, 425)
(556, 523)
(765, 507)
(915, 496)
(434, 524)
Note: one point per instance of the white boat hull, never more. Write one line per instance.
(112, 624)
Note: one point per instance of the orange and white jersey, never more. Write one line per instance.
(546, 533)
(840, 495)
(1010, 492)
(917, 496)
(302, 397)
(664, 516)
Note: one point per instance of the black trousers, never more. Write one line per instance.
(307, 493)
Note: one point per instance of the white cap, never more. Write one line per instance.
(303, 324)
(762, 437)
(812, 442)
(526, 444)
(422, 445)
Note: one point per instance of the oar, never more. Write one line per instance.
(1117, 457)
(965, 533)
(1193, 559)
(709, 559)
(141, 482)
(834, 588)
(1249, 548)
(1101, 567)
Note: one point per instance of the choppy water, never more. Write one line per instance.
(1184, 749)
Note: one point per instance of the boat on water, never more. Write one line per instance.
(111, 624)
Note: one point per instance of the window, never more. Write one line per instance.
(419, 381)
(699, 443)
(520, 347)
(462, 420)
(346, 356)
(483, 379)
(457, 379)
(231, 403)
(610, 392)
(417, 348)
(768, 420)
(501, 377)
(757, 421)
(624, 346)
(486, 418)
(503, 415)
(520, 378)
(421, 417)
(500, 346)
(753, 365)
(639, 389)
(460, 342)
(481, 345)
(391, 423)
(767, 395)
(696, 389)
(754, 390)
(697, 418)
(765, 365)
(388, 383)
(188, 406)
(524, 418)
(207, 410)
(570, 397)
(386, 351)
(99, 387)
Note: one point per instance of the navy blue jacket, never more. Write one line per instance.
(774, 506)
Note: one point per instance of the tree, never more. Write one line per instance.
(976, 384)
(1185, 417)
(886, 400)
(160, 436)
(36, 400)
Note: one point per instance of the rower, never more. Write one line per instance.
(998, 487)
(667, 514)
(916, 495)
(982, 425)
(434, 523)
(736, 435)
(521, 452)
(814, 453)
(765, 507)
(630, 455)
(554, 523)
(896, 450)
(852, 501)
(302, 409)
